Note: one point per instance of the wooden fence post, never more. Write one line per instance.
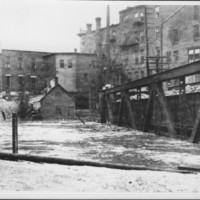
(15, 133)
(109, 108)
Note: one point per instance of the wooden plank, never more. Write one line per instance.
(164, 106)
(120, 113)
(196, 129)
(109, 107)
(184, 70)
(71, 162)
(149, 111)
(130, 109)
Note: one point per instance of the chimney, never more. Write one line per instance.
(56, 81)
(89, 28)
(98, 23)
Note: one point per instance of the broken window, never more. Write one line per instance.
(62, 63)
(196, 12)
(8, 62)
(8, 81)
(168, 54)
(175, 36)
(196, 32)
(157, 11)
(176, 55)
(70, 63)
(20, 62)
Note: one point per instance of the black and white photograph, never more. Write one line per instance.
(99, 99)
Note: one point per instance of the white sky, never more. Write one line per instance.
(52, 25)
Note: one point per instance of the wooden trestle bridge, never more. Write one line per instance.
(176, 116)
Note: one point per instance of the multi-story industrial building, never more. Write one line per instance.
(144, 32)
(34, 71)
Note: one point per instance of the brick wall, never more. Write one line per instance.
(41, 71)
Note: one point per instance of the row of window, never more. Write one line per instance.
(193, 55)
(20, 80)
(137, 74)
(137, 60)
(62, 63)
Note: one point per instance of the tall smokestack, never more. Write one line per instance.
(98, 23)
(108, 34)
(89, 28)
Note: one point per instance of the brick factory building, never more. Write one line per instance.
(171, 31)
(34, 71)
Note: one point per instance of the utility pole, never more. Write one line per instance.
(147, 41)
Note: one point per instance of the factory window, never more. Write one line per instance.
(142, 74)
(137, 76)
(196, 31)
(33, 82)
(21, 80)
(8, 81)
(137, 36)
(175, 36)
(126, 62)
(193, 55)
(85, 75)
(157, 31)
(33, 64)
(136, 60)
(157, 11)
(142, 60)
(8, 62)
(125, 18)
(20, 62)
(196, 12)
(168, 54)
(142, 38)
(61, 63)
(70, 63)
(176, 55)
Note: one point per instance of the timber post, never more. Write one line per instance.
(120, 113)
(165, 108)
(103, 108)
(130, 109)
(196, 129)
(109, 108)
(14, 133)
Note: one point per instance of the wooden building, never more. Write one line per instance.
(56, 104)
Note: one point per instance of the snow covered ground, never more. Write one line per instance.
(96, 142)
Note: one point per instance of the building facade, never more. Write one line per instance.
(171, 31)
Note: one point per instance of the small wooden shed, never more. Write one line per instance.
(56, 104)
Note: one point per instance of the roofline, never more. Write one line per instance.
(57, 85)
(25, 51)
(132, 8)
(71, 53)
(112, 25)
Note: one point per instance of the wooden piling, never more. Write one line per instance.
(15, 133)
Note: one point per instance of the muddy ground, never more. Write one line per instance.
(96, 142)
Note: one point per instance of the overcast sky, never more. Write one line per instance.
(51, 25)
